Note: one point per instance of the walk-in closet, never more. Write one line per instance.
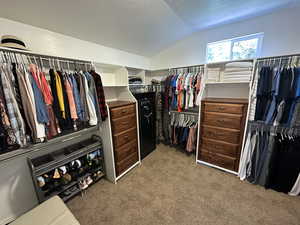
(150, 112)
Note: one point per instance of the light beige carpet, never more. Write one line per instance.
(169, 188)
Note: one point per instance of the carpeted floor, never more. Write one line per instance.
(169, 188)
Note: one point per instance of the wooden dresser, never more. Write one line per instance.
(124, 132)
(221, 134)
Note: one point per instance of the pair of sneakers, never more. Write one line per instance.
(83, 184)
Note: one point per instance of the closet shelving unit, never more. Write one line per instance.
(220, 88)
(223, 88)
(67, 136)
(158, 75)
(15, 173)
(116, 88)
(140, 73)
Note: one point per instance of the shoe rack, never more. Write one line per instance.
(68, 171)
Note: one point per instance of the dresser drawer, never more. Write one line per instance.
(126, 163)
(204, 155)
(124, 137)
(124, 123)
(223, 120)
(221, 134)
(223, 161)
(220, 147)
(125, 150)
(223, 108)
(122, 111)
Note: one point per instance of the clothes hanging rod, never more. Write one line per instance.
(254, 125)
(186, 67)
(188, 113)
(278, 57)
(28, 53)
(230, 61)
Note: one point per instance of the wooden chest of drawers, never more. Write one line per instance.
(124, 133)
(221, 134)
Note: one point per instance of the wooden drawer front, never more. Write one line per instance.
(223, 108)
(221, 134)
(123, 123)
(204, 155)
(126, 163)
(220, 147)
(123, 151)
(122, 111)
(124, 137)
(223, 161)
(222, 120)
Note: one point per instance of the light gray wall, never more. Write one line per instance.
(281, 36)
(50, 43)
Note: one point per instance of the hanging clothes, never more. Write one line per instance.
(270, 157)
(90, 104)
(100, 94)
(184, 131)
(296, 188)
(40, 127)
(78, 103)
(29, 109)
(285, 165)
(32, 109)
(82, 92)
(13, 111)
(41, 110)
(8, 138)
(69, 91)
(181, 90)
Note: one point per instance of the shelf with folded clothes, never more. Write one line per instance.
(229, 72)
(136, 76)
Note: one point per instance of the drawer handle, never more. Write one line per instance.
(221, 120)
(124, 122)
(126, 137)
(124, 111)
(221, 108)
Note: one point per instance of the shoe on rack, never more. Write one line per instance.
(89, 180)
(83, 185)
(67, 193)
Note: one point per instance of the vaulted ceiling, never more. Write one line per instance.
(144, 27)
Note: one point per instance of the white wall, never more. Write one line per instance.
(281, 36)
(47, 42)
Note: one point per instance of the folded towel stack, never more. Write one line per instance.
(213, 75)
(237, 72)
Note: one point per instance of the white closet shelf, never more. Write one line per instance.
(113, 86)
(233, 82)
(137, 84)
(229, 61)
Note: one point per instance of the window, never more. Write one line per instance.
(246, 47)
